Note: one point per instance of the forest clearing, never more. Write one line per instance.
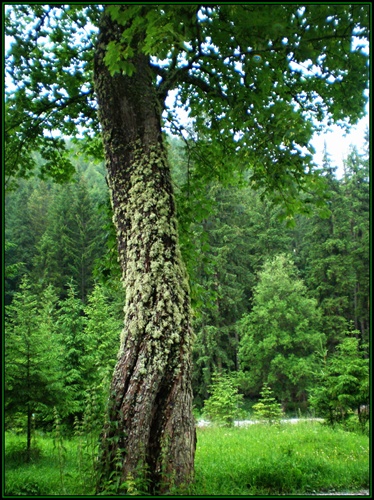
(303, 458)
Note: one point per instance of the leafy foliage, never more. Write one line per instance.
(48, 86)
(255, 89)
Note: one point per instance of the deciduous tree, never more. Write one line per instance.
(256, 79)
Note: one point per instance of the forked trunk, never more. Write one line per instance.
(150, 433)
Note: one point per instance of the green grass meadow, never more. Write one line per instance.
(276, 460)
(301, 458)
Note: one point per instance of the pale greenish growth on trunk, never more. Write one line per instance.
(152, 267)
(150, 433)
(152, 396)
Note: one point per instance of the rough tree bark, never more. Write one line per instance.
(150, 428)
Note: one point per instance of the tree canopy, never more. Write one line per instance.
(257, 80)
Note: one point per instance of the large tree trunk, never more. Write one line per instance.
(151, 430)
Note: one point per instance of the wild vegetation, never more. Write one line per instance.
(303, 458)
(57, 365)
(216, 271)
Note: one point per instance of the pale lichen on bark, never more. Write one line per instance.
(151, 395)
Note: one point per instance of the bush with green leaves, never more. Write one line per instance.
(223, 406)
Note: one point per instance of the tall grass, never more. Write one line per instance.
(46, 473)
(290, 458)
(256, 460)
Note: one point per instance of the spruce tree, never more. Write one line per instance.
(342, 387)
(268, 409)
(76, 358)
(333, 253)
(279, 337)
(223, 406)
(72, 241)
(33, 369)
(102, 329)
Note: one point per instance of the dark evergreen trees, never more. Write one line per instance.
(26, 211)
(333, 253)
(75, 347)
(71, 242)
(102, 330)
(242, 232)
(356, 193)
(342, 387)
